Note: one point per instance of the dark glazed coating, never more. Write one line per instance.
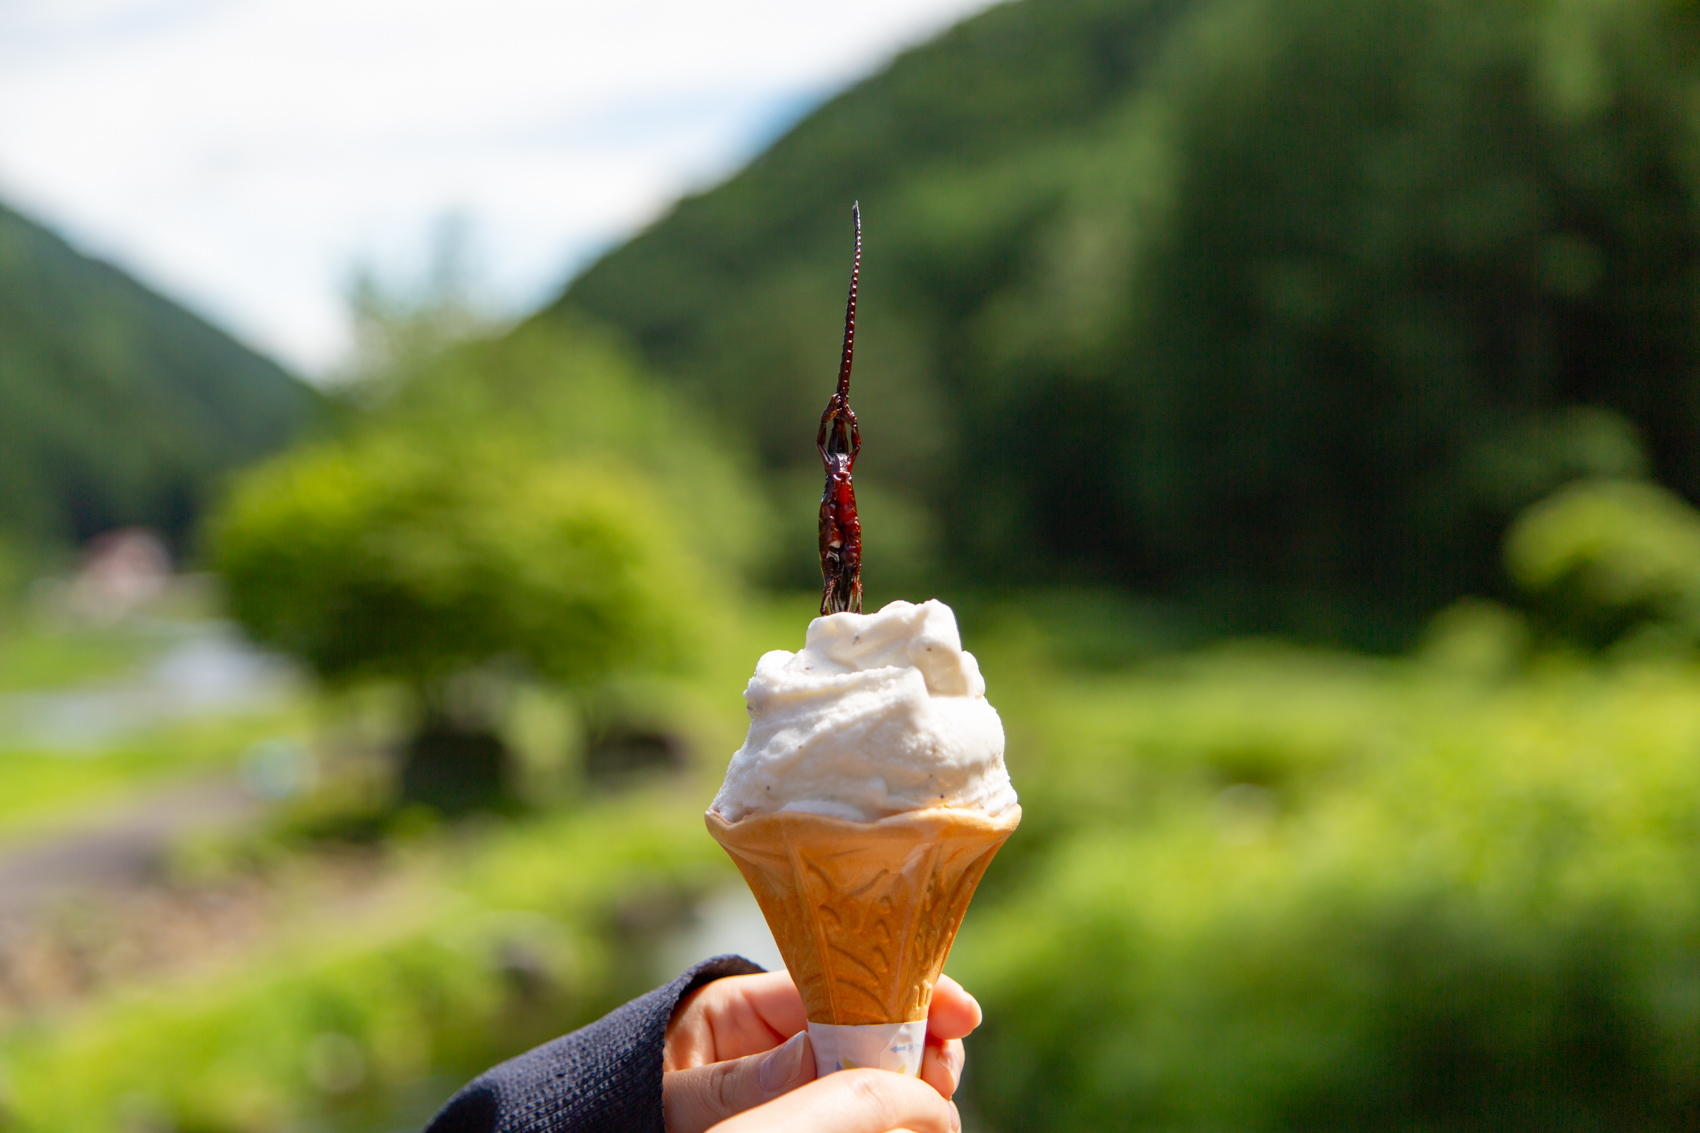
(839, 441)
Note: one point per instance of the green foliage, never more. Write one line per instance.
(1478, 640)
(381, 557)
(43, 789)
(527, 500)
(1279, 305)
(571, 389)
(1259, 889)
(1610, 556)
(1255, 887)
(481, 949)
(116, 406)
(1399, 250)
(40, 652)
(399, 326)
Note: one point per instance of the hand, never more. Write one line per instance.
(739, 1043)
(851, 1101)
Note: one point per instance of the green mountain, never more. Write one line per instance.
(1286, 305)
(117, 406)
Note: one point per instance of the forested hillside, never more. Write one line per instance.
(1242, 301)
(117, 406)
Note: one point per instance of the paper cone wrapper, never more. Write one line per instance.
(864, 912)
(897, 1047)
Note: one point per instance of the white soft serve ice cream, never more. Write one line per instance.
(879, 714)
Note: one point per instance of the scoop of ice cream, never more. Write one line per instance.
(878, 714)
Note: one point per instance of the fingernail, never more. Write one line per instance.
(782, 1070)
(955, 1118)
(952, 1063)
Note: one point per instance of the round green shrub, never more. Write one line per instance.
(391, 556)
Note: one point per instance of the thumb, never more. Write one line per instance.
(695, 1099)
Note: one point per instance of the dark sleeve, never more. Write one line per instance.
(605, 1077)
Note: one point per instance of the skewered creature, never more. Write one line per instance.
(839, 440)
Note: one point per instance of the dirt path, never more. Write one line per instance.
(90, 905)
(119, 848)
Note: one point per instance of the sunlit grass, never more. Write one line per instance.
(1251, 881)
(35, 654)
(46, 790)
(1270, 889)
(485, 944)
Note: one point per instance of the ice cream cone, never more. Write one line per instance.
(864, 912)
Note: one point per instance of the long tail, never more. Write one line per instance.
(850, 310)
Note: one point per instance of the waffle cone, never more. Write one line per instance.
(864, 912)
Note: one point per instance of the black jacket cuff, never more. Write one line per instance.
(605, 1077)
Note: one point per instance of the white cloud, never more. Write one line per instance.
(243, 155)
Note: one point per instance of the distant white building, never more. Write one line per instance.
(120, 571)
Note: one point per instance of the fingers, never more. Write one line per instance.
(739, 1018)
(744, 1015)
(851, 1101)
(952, 1016)
(954, 1013)
(733, 1018)
(694, 1099)
(941, 1066)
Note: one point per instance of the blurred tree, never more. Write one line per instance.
(386, 557)
(401, 324)
(526, 502)
(1612, 558)
(1283, 305)
(1405, 239)
(573, 389)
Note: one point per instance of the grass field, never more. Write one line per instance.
(1256, 887)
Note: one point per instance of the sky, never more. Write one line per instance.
(247, 157)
